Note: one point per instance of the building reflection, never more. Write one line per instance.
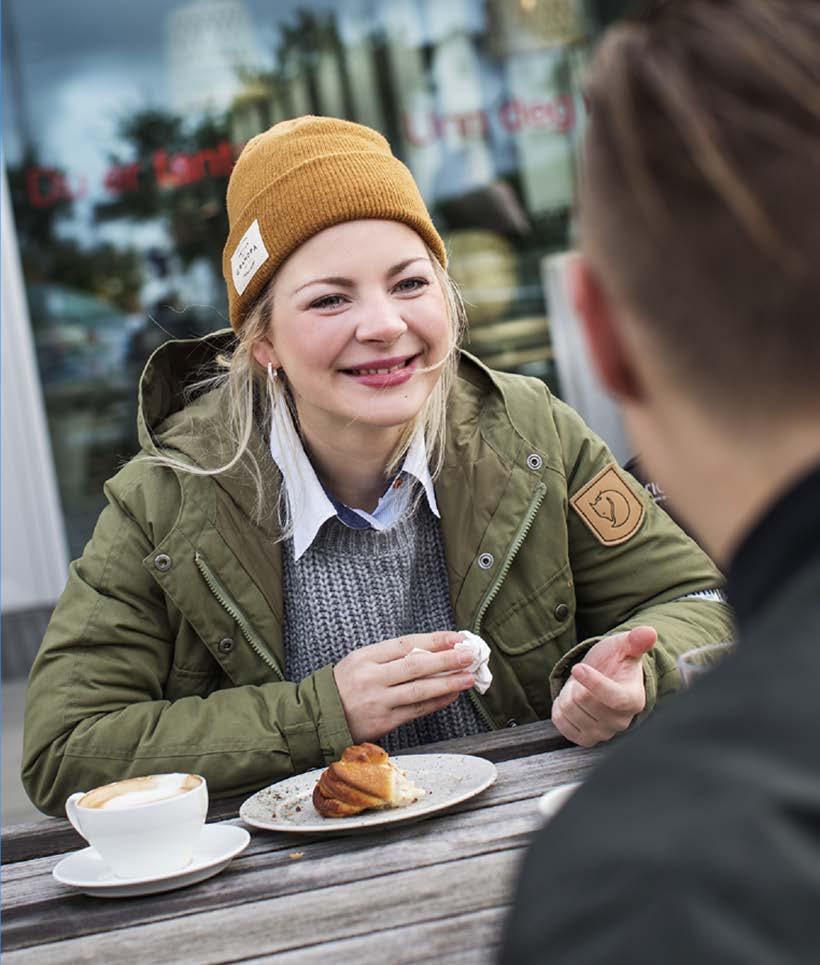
(121, 233)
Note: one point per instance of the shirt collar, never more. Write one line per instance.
(416, 465)
(781, 542)
(310, 506)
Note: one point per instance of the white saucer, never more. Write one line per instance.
(550, 803)
(86, 870)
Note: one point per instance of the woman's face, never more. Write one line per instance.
(357, 313)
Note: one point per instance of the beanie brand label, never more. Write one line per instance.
(249, 256)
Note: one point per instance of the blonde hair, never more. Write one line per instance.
(254, 400)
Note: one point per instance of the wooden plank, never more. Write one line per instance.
(502, 817)
(336, 861)
(516, 781)
(272, 925)
(537, 773)
(56, 836)
(33, 840)
(418, 944)
(331, 861)
(508, 743)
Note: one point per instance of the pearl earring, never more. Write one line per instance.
(273, 378)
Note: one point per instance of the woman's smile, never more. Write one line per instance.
(383, 373)
(359, 331)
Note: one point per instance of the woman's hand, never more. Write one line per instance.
(606, 688)
(384, 685)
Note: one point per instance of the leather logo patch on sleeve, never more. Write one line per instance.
(609, 507)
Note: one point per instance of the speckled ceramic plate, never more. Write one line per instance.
(449, 779)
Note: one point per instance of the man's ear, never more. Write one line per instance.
(602, 330)
(265, 354)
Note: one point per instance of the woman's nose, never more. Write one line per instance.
(380, 322)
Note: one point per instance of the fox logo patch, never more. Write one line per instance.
(609, 507)
(612, 505)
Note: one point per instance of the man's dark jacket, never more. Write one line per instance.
(698, 839)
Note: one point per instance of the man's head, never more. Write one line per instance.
(700, 216)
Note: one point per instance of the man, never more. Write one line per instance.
(698, 839)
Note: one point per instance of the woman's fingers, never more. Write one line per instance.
(424, 664)
(404, 714)
(573, 723)
(386, 681)
(388, 650)
(602, 720)
(587, 716)
(639, 640)
(579, 727)
(417, 693)
(610, 697)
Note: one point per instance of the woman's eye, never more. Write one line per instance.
(327, 301)
(411, 284)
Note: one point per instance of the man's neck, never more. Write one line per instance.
(721, 482)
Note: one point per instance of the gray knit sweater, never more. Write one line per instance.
(354, 587)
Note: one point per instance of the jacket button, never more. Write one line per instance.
(534, 461)
(486, 560)
(162, 561)
(226, 645)
(512, 722)
(561, 612)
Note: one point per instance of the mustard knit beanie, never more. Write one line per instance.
(300, 177)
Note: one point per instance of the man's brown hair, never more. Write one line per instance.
(700, 197)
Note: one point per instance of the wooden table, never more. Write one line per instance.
(436, 890)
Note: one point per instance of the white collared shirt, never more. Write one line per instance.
(310, 506)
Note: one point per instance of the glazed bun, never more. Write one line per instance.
(364, 779)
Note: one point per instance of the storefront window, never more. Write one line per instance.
(122, 122)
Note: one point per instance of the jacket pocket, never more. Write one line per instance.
(190, 683)
(193, 671)
(236, 611)
(545, 615)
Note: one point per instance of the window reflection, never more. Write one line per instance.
(122, 123)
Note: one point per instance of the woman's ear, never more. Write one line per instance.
(602, 329)
(265, 354)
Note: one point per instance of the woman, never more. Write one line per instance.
(352, 489)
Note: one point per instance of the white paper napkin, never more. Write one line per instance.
(480, 664)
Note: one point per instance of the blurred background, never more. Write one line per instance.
(121, 123)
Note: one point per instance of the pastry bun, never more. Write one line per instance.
(364, 779)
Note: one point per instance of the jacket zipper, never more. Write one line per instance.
(489, 596)
(236, 613)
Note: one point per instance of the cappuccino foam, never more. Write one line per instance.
(137, 791)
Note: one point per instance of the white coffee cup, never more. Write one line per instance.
(142, 827)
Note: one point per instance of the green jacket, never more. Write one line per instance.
(165, 650)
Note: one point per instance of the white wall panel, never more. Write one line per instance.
(34, 551)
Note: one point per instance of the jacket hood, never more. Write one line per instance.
(168, 377)
(186, 421)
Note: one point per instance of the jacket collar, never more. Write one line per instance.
(486, 483)
(197, 431)
(782, 541)
(484, 445)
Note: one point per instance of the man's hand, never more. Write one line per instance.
(384, 685)
(605, 690)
